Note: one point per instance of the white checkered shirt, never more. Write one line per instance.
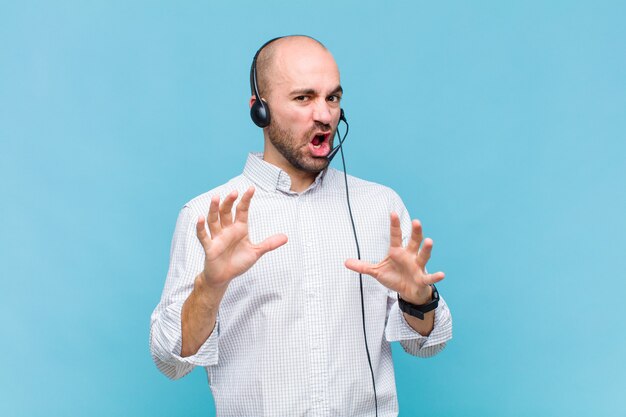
(289, 337)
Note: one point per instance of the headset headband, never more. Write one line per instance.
(253, 78)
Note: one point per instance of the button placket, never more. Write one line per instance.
(318, 354)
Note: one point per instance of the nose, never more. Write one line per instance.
(322, 112)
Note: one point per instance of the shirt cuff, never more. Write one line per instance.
(208, 353)
(399, 330)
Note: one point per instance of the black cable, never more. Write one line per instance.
(358, 251)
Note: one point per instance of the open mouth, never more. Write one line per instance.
(319, 145)
(319, 139)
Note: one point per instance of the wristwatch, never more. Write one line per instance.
(419, 311)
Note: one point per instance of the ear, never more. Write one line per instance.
(252, 100)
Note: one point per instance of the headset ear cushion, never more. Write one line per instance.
(260, 113)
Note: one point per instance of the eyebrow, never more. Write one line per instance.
(310, 91)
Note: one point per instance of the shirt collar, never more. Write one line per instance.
(269, 177)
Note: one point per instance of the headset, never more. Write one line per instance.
(260, 111)
(260, 114)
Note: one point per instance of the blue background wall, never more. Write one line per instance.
(501, 124)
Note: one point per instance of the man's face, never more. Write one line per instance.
(304, 97)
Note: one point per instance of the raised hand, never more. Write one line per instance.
(404, 268)
(228, 250)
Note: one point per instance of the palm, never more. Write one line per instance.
(228, 251)
(404, 268)
(397, 270)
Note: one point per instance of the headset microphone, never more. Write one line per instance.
(336, 149)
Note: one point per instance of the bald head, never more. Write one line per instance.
(281, 53)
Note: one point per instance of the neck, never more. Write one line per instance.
(300, 180)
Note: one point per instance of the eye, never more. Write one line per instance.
(334, 98)
(301, 98)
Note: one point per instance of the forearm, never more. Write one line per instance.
(199, 315)
(423, 327)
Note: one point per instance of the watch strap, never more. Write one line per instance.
(418, 311)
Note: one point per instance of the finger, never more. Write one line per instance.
(434, 278)
(416, 236)
(241, 214)
(361, 267)
(213, 219)
(395, 232)
(226, 209)
(203, 236)
(424, 254)
(271, 243)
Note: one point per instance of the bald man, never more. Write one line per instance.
(264, 292)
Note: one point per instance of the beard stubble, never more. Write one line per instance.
(292, 150)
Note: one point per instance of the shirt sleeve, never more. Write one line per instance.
(186, 262)
(397, 329)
